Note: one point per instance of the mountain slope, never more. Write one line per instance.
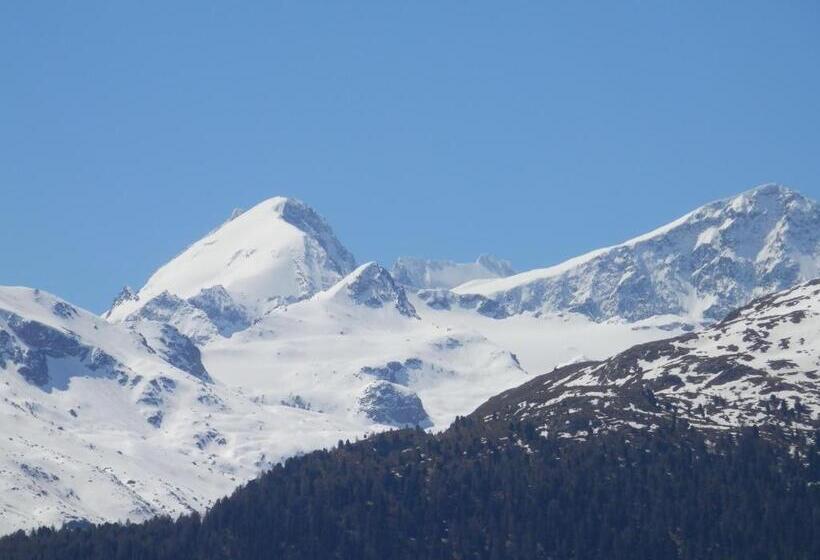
(279, 251)
(103, 423)
(487, 495)
(129, 421)
(360, 348)
(701, 266)
(759, 366)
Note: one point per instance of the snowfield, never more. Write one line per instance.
(100, 427)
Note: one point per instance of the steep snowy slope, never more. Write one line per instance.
(103, 424)
(700, 266)
(277, 252)
(360, 348)
(759, 366)
(420, 274)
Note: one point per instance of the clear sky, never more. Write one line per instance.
(532, 130)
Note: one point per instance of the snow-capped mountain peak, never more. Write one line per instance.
(372, 285)
(421, 274)
(701, 265)
(279, 251)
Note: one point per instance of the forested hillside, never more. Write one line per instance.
(509, 493)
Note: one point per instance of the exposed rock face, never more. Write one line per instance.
(64, 310)
(445, 299)
(125, 295)
(703, 265)
(212, 312)
(333, 256)
(114, 423)
(394, 372)
(391, 404)
(176, 348)
(227, 316)
(159, 308)
(371, 285)
(31, 346)
(757, 366)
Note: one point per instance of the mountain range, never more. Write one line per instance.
(266, 339)
(700, 266)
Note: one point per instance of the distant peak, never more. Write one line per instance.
(126, 294)
(279, 250)
(306, 219)
(373, 286)
(422, 274)
(367, 273)
(278, 203)
(770, 196)
(499, 266)
(367, 269)
(768, 189)
(701, 265)
(283, 206)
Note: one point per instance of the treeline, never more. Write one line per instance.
(468, 494)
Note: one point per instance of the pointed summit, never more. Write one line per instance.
(372, 285)
(770, 189)
(125, 295)
(279, 251)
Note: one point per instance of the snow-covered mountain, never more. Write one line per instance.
(279, 251)
(759, 366)
(361, 348)
(258, 342)
(264, 339)
(277, 309)
(103, 423)
(418, 274)
(700, 266)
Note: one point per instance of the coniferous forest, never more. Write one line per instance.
(472, 493)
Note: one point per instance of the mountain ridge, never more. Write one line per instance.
(701, 265)
(290, 345)
(759, 366)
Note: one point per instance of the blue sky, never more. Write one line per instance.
(533, 130)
